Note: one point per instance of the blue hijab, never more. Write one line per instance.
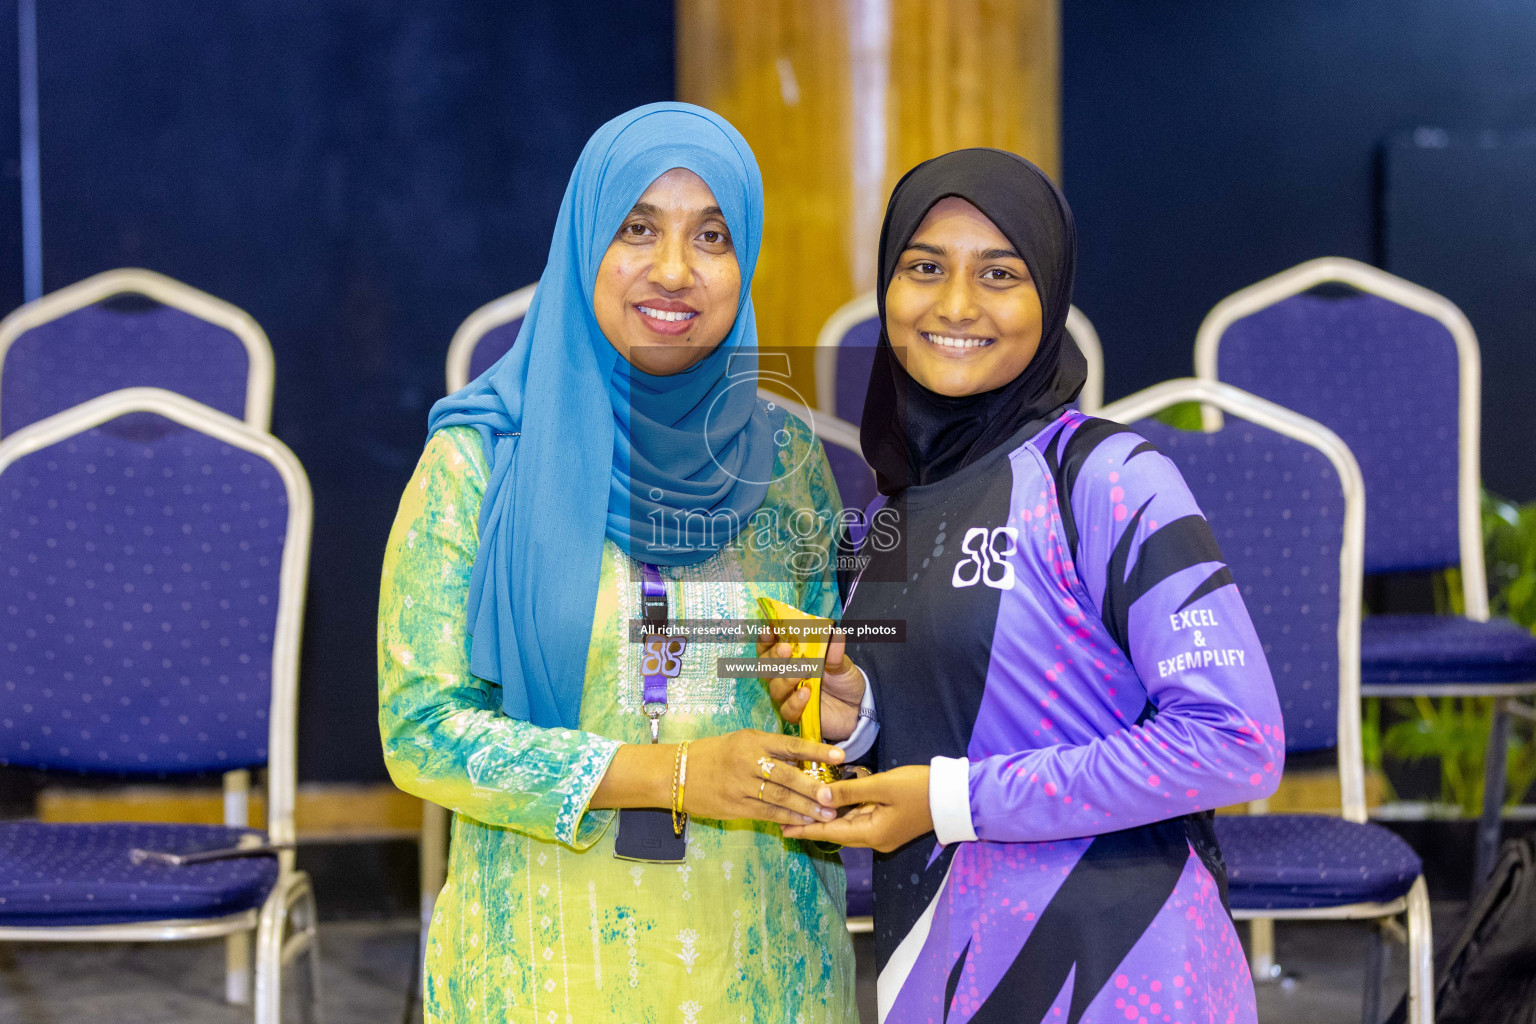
(582, 445)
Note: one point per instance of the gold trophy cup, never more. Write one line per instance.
(809, 638)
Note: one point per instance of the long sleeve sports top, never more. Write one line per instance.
(1080, 671)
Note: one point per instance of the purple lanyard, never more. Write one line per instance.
(661, 658)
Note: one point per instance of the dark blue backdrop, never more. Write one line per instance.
(358, 175)
(1208, 145)
(361, 174)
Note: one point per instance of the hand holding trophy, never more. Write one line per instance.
(807, 636)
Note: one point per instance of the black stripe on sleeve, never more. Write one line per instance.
(1171, 548)
(953, 981)
(1066, 463)
(1215, 581)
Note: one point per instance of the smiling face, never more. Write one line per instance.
(668, 286)
(961, 310)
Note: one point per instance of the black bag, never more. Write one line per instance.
(1489, 974)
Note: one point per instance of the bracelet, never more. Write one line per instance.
(679, 783)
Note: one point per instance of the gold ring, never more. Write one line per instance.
(767, 766)
(760, 787)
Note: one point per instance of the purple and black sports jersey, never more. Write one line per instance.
(1075, 640)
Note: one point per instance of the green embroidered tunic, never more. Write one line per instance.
(538, 921)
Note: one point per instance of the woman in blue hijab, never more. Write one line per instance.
(617, 850)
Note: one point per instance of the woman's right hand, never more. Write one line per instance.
(842, 687)
(726, 779)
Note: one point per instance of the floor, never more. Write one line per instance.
(366, 965)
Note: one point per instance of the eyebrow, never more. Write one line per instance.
(652, 210)
(985, 254)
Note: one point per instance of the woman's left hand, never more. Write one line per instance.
(891, 810)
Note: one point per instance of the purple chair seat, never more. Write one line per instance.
(1444, 649)
(1306, 861)
(58, 875)
(859, 863)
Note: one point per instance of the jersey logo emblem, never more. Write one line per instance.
(987, 554)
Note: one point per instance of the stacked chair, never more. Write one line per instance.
(132, 328)
(486, 335)
(1394, 370)
(155, 551)
(840, 440)
(845, 350)
(1286, 502)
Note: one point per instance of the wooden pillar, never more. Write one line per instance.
(839, 98)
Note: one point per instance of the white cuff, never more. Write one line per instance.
(863, 736)
(949, 799)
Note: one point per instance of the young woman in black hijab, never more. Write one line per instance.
(1079, 683)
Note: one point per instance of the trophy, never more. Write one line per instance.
(808, 638)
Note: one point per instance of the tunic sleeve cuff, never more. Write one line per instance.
(575, 824)
(949, 799)
(863, 736)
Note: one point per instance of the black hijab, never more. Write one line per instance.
(912, 435)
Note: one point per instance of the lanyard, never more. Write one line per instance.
(661, 658)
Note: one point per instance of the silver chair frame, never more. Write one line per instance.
(1474, 576)
(434, 817)
(840, 432)
(1266, 414)
(475, 327)
(291, 902)
(823, 424)
(167, 291)
(865, 308)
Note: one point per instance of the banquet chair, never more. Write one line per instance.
(486, 335)
(131, 328)
(840, 440)
(845, 350)
(154, 561)
(1374, 357)
(1286, 503)
(856, 488)
(856, 484)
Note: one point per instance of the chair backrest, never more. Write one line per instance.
(131, 328)
(1394, 370)
(1286, 503)
(845, 351)
(840, 440)
(1080, 329)
(486, 335)
(153, 559)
